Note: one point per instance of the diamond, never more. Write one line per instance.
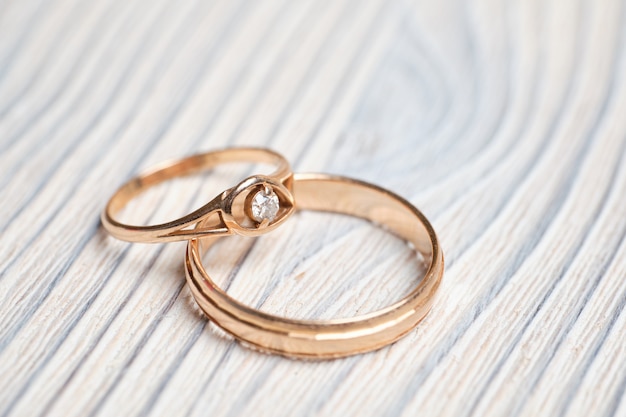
(264, 205)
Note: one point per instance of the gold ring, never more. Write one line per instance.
(340, 337)
(256, 205)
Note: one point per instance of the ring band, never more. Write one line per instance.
(256, 205)
(340, 337)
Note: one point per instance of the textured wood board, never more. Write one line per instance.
(503, 121)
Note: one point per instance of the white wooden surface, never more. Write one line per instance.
(505, 122)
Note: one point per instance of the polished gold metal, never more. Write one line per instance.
(225, 214)
(333, 338)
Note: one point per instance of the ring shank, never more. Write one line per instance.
(341, 337)
(368, 202)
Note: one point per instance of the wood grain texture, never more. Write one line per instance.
(503, 121)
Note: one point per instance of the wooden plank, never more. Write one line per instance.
(502, 121)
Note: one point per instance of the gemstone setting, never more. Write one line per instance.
(264, 205)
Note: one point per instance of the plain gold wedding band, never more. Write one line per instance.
(230, 212)
(340, 337)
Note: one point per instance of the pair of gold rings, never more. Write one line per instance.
(258, 205)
